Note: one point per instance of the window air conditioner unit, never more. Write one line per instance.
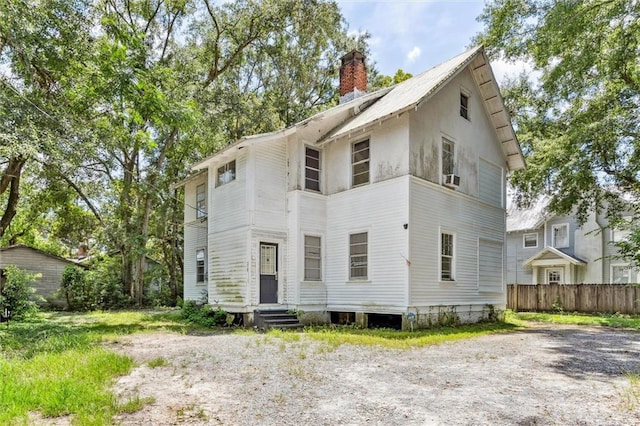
(452, 181)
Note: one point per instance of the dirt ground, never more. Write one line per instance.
(544, 375)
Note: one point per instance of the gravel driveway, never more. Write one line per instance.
(543, 375)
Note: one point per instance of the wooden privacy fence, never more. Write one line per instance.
(587, 298)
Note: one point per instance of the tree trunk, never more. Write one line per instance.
(11, 179)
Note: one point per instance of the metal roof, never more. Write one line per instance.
(415, 91)
(556, 252)
(527, 219)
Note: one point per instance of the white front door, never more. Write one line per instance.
(554, 275)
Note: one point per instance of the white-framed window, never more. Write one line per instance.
(312, 258)
(358, 256)
(464, 105)
(447, 256)
(448, 157)
(560, 235)
(360, 163)
(530, 240)
(201, 200)
(621, 274)
(201, 270)
(312, 169)
(227, 173)
(554, 275)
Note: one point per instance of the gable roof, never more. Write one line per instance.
(44, 253)
(554, 251)
(389, 102)
(415, 91)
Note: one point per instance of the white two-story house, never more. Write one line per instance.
(389, 204)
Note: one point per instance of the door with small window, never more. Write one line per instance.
(268, 273)
(554, 275)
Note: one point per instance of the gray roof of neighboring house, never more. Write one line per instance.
(527, 219)
(44, 253)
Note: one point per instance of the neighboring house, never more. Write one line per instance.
(37, 262)
(390, 205)
(544, 248)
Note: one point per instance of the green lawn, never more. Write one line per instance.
(608, 320)
(55, 365)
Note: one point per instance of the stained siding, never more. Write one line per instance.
(380, 210)
(228, 269)
(433, 209)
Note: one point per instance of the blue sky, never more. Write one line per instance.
(416, 35)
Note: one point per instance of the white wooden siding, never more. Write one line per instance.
(490, 183)
(380, 210)
(228, 206)
(490, 271)
(433, 208)
(228, 268)
(269, 186)
(195, 237)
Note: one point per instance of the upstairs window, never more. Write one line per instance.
(200, 266)
(201, 201)
(560, 235)
(312, 259)
(446, 257)
(464, 106)
(448, 154)
(358, 256)
(227, 173)
(530, 240)
(312, 169)
(360, 163)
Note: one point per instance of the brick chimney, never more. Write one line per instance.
(353, 76)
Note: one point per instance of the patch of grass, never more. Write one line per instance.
(55, 366)
(402, 339)
(609, 320)
(135, 404)
(157, 362)
(57, 384)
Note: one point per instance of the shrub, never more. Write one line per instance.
(77, 289)
(203, 315)
(107, 282)
(18, 293)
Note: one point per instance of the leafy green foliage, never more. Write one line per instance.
(77, 290)
(381, 80)
(578, 124)
(18, 293)
(203, 315)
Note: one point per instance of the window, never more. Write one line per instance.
(446, 257)
(620, 274)
(312, 259)
(358, 256)
(554, 276)
(200, 266)
(464, 106)
(360, 163)
(312, 169)
(560, 235)
(201, 201)
(530, 240)
(447, 157)
(227, 173)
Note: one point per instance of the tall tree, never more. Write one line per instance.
(578, 122)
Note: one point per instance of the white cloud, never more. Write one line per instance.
(414, 54)
(503, 70)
